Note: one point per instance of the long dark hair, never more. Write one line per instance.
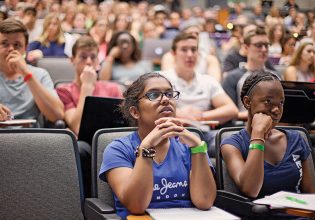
(136, 53)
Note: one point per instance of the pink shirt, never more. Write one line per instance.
(102, 52)
(69, 93)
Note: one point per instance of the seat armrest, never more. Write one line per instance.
(231, 195)
(98, 205)
(95, 209)
(239, 205)
(60, 124)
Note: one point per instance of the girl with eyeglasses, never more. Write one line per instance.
(262, 159)
(162, 164)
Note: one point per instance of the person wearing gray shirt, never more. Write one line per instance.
(25, 91)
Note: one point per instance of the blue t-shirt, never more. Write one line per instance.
(286, 175)
(171, 177)
(53, 50)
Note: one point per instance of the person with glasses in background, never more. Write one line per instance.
(162, 164)
(203, 98)
(236, 58)
(26, 92)
(256, 44)
(86, 63)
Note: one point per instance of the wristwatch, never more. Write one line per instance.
(202, 148)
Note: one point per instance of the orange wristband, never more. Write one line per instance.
(27, 77)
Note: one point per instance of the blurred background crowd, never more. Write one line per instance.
(54, 26)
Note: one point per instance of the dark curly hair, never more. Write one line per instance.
(133, 92)
(254, 78)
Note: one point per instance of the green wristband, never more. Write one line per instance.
(257, 146)
(202, 148)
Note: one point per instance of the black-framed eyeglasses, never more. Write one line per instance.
(262, 44)
(156, 96)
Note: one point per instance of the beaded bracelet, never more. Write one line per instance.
(146, 152)
(258, 139)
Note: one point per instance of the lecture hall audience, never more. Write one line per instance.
(117, 28)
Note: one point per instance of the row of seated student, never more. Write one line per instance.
(91, 19)
(230, 89)
(85, 62)
(52, 43)
(151, 105)
(261, 159)
(300, 61)
(202, 96)
(125, 70)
